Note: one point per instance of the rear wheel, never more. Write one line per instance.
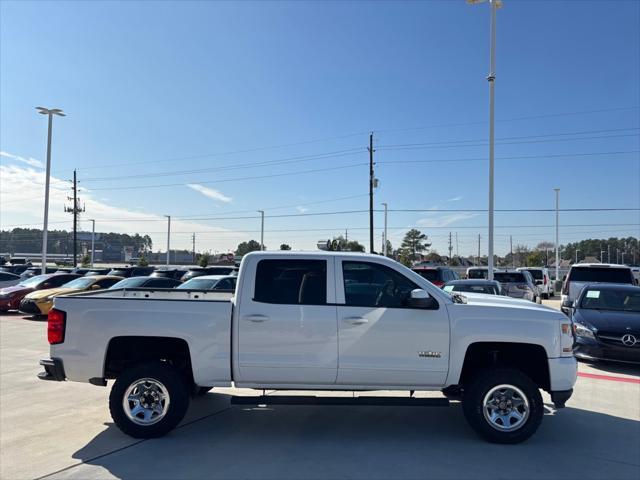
(149, 400)
(503, 405)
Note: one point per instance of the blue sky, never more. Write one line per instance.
(156, 88)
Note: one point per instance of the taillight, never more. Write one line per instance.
(545, 279)
(56, 326)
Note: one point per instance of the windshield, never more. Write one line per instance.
(79, 283)
(198, 284)
(609, 299)
(33, 281)
(130, 282)
(601, 275)
(488, 289)
(509, 277)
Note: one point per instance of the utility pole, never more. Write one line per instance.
(457, 251)
(557, 190)
(346, 235)
(371, 180)
(384, 236)
(577, 250)
(608, 253)
(193, 238)
(450, 248)
(75, 209)
(261, 212)
(478, 249)
(50, 112)
(93, 240)
(168, 238)
(601, 254)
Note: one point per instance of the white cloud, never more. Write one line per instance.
(455, 199)
(445, 220)
(29, 161)
(21, 199)
(209, 192)
(302, 209)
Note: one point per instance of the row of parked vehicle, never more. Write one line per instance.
(528, 283)
(34, 294)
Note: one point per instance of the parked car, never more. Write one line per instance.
(41, 301)
(582, 274)
(10, 297)
(9, 279)
(175, 273)
(210, 282)
(127, 272)
(213, 270)
(477, 272)
(436, 275)
(15, 269)
(315, 321)
(517, 285)
(489, 287)
(146, 282)
(97, 271)
(606, 322)
(542, 280)
(37, 270)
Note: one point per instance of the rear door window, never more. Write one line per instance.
(291, 282)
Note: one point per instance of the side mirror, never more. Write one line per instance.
(567, 303)
(95, 287)
(46, 285)
(421, 299)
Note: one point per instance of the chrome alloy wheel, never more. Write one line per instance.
(505, 408)
(146, 401)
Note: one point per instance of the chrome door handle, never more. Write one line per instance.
(256, 318)
(355, 320)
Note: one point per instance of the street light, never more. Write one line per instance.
(261, 212)
(50, 112)
(577, 250)
(601, 256)
(168, 238)
(557, 190)
(494, 4)
(93, 238)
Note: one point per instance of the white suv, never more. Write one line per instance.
(542, 279)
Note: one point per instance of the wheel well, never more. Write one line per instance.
(529, 358)
(124, 352)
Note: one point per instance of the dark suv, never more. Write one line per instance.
(217, 270)
(437, 275)
(127, 272)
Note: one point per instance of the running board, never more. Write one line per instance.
(340, 401)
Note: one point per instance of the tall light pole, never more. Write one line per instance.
(384, 244)
(601, 255)
(168, 238)
(261, 212)
(93, 240)
(577, 250)
(50, 112)
(557, 190)
(494, 5)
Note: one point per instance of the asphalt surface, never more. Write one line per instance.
(63, 430)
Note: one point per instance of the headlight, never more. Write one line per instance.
(581, 330)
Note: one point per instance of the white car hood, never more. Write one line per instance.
(502, 301)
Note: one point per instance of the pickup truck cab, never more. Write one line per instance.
(314, 321)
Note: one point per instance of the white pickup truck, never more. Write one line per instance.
(315, 321)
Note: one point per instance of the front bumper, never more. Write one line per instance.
(30, 306)
(589, 349)
(563, 373)
(53, 370)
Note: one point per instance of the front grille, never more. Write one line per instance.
(615, 338)
(29, 306)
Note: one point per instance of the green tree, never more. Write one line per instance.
(86, 261)
(414, 244)
(204, 260)
(535, 259)
(284, 246)
(339, 243)
(142, 261)
(247, 247)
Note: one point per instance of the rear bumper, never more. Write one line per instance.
(53, 370)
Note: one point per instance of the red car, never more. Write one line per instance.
(10, 297)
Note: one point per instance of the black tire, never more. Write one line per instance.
(479, 387)
(203, 391)
(176, 388)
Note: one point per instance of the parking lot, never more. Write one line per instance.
(63, 430)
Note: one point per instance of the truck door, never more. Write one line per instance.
(383, 342)
(287, 323)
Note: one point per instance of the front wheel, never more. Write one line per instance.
(149, 400)
(503, 405)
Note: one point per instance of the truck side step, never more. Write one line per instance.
(340, 401)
